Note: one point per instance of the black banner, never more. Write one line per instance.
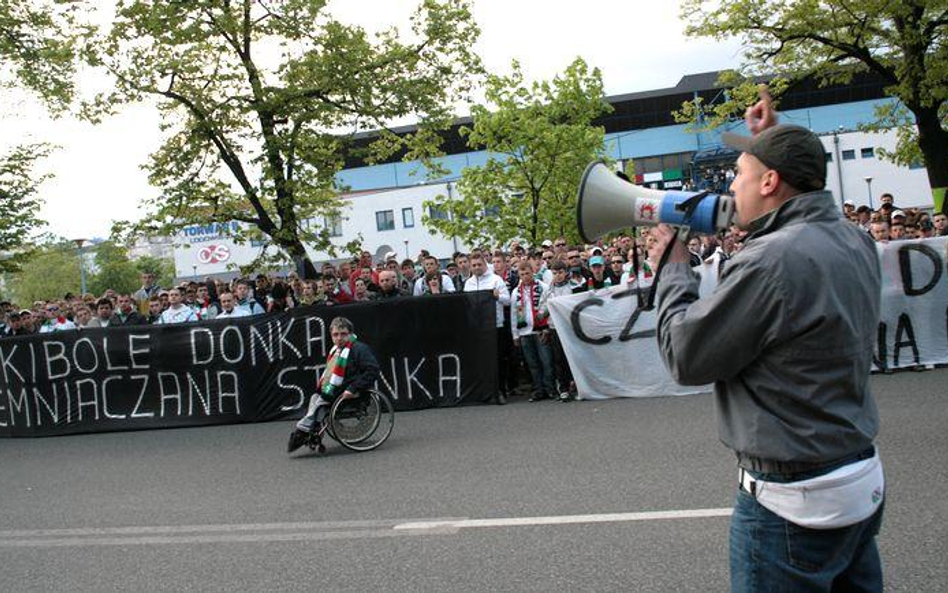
(433, 351)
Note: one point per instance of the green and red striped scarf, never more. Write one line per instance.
(336, 367)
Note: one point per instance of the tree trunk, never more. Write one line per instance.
(297, 251)
(933, 141)
(535, 221)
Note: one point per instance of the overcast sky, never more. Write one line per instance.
(638, 45)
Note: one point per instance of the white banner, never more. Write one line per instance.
(913, 325)
(614, 353)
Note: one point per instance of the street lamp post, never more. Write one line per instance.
(406, 249)
(839, 167)
(454, 239)
(82, 267)
(869, 188)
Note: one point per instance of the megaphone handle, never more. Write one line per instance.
(689, 206)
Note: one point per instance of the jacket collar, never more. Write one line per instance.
(812, 206)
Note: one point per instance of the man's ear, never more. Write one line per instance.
(769, 182)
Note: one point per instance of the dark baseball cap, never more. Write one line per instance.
(793, 151)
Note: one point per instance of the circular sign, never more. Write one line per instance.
(213, 254)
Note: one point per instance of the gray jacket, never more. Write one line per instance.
(787, 337)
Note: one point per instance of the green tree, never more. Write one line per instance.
(38, 43)
(113, 269)
(261, 99)
(903, 42)
(19, 204)
(540, 138)
(629, 169)
(37, 52)
(53, 271)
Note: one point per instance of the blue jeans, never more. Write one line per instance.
(539, 358)
(769, 553)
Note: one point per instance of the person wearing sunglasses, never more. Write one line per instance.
(56, 321)
(542, 262)
(616, 265)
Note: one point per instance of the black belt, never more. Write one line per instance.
(788, 468)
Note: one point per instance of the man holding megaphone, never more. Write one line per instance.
(787, 338)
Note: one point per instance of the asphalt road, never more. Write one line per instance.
(224, 508)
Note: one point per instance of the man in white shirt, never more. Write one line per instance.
(229, 307)
(176, 311)
(526, 325)
(55, 320)
(246, 301)
(482, 279)
(433, 267)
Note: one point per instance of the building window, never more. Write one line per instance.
(650, 164)
(868, 153)
(829, 157)
(849, 155)
(333, 224)
(385, 220)
(408, 218)
(492, 211)
(437, 213)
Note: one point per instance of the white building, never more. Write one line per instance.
(390, 220)
(157, 247)
(383, 221)
(855, 172)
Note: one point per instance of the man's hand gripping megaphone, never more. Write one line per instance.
(758, 117)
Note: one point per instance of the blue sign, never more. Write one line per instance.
(205, 232)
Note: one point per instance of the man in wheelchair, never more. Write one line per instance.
(351, 369)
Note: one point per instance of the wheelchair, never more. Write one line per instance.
(360, 423)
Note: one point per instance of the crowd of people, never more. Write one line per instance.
(523, 279)
(890, 223)
(713, 178)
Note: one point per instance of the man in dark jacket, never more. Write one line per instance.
(388, 286)
(127, 313)
(787, 338)
(351, 369)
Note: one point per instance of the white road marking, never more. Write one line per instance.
(209, 528)
(218, 538)
(566, 519)
(307, 531)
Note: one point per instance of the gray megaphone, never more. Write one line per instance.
(608, 203)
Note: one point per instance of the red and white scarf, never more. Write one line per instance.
(535, 291)
(335, 367)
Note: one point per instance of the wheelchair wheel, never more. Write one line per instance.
(363, 422)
